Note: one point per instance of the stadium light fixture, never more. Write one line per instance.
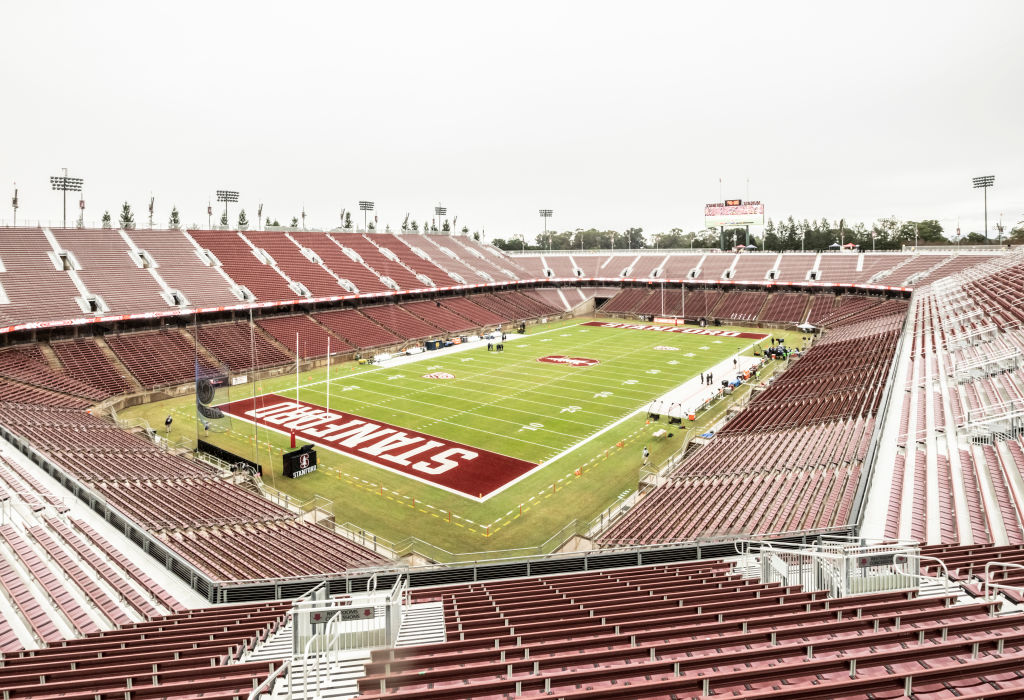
(365, 207)
(546, 214)
(226, 196)
(984, 182)
(440, 211)
(65, 184)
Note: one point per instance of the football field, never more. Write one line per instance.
(471, 450)
(476, 420)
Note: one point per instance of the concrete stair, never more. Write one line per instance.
(423, 623)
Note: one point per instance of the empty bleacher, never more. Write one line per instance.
(793, 267)
(740, 306)
(442, 256)
(785, 308)
(233, 344)
(294, 264)
(84, 360)
(181, 268)
(754, 267)
(26, 365)
(467, 309)
(439, 316)
(194, 653)
(357, 329)
(106, 268)
(404, 269)
(241, 265)
(837, 266)
(345, 267)
(37, 289)
(158, 358)
(313, 338)
(400, 322)
(693, 630)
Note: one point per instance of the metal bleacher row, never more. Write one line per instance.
(959, 428)
(791, 461)
(94, 368)
(179, 501)
(695, 630)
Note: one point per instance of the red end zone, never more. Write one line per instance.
(450, 465)
(678, 329)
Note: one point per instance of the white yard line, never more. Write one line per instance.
(692, 389)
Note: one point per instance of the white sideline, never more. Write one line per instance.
(691, 391)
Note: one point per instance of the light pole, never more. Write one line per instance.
(65, 184)
(440, 211)
(984, 182)
(365, 207)
(209, 215)
(14, 204)
(546, 214)
(226, 196)
(259, 216)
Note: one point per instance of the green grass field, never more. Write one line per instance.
(504, 402)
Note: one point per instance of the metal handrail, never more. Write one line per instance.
(989, 584)
(265, 685)
(919, 575)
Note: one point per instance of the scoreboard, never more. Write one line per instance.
(733, 212)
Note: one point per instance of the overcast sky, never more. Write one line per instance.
(612, 114)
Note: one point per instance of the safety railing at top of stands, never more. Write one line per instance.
(989, 585)
(896, 564)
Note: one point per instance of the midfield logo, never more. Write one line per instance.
(439, 375)
(571, 361)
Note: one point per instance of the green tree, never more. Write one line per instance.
(224, 218)
(1017, 234)
(276, 223)
(414, 226)
(446, 226)
(243, 221)
(927, 231)
(295, 222)
(465, 229)
(635, 238)
(371, 226)
(127, 220)
(106, 219)
(175, 220)
(348, 220)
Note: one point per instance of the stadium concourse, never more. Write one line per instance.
(855, 531)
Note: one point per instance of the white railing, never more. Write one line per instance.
(357, 621)
(899, 559)
(841, 565)
(1000, 586)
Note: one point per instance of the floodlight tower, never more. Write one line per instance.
(365, 207)
(65, 184)
(226, 196)
(546, 214)
(439, 211)
(984, 182)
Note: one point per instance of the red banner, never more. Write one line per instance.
(466, 470)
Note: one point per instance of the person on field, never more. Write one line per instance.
(647, 455)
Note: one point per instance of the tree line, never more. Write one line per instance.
(782, 235)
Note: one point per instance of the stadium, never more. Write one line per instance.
(642, 473)
(466, 351)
